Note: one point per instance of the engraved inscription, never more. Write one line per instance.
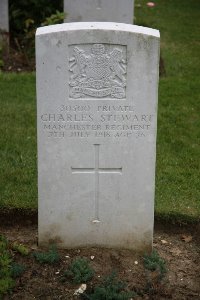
(96, 171)
(97, 121)
(97, 71)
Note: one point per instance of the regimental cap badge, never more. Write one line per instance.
(97, 73)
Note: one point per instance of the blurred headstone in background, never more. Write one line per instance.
(4, 22)
(120, 11)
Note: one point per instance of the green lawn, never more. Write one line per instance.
(178, 144)
(18, 184)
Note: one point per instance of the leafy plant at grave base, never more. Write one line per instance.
(3, 243)
(155, 271)
(6, 280)
(110, 289)
(6, 285)
(79, 271)
(154, 262)
(23, 250)
(17, 270)
(51, 257)
(5, 261)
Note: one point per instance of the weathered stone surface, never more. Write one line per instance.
(4, 25)
(4, 17)
(97, 109)
(99, 10)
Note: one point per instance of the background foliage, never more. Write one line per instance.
(26, 16)
(34, 12)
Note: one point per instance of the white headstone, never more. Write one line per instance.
(99, 10)
(4, 16)
(97, 109)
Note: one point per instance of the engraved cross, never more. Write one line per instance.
(96, 171)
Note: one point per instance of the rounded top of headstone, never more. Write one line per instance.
(105, 26)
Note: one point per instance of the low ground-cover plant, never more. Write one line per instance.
(6, 285)
(6, 280)
(20, 248)
(51, 257)
(154, 262)
(17, 270)
(79, 271)
(110, 289)
(155, 272)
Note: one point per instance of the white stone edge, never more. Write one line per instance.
(121, 27)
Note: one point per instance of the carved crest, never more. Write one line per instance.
(97, 73)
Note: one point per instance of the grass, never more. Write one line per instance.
(18, 187)
(178, 152)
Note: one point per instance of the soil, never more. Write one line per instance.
(180, 247)
(15, 60)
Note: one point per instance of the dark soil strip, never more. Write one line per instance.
(18, 216)
(25, 217)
